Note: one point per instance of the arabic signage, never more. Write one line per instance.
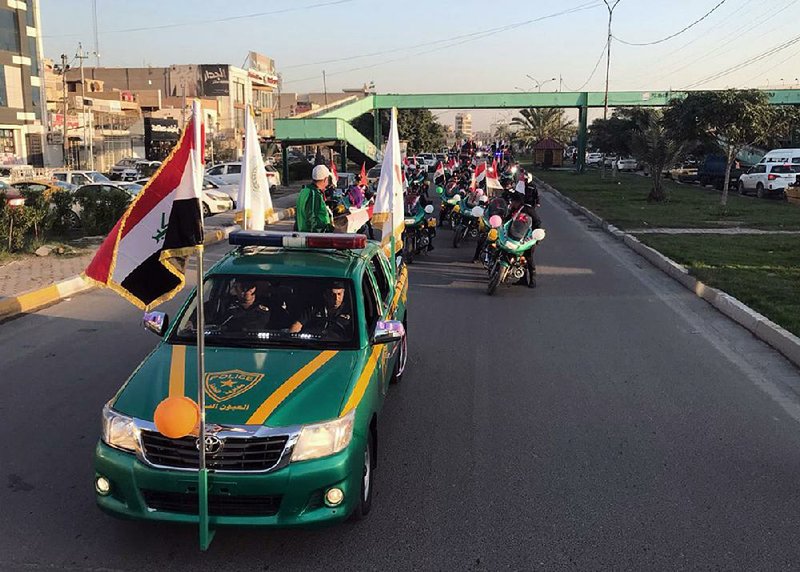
(214, 81)
(161, 129)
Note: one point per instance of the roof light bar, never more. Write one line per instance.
(333, 241)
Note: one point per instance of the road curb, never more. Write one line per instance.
(48, 295)
(759, 325)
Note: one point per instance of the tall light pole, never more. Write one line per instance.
(538, 83)
(610, 7)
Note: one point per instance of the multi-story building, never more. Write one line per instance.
(463, 124)
(21, 78)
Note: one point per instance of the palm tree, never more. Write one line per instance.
(536, 124)
(654, 146)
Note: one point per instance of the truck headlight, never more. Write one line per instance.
(119, 431)
(323, 439)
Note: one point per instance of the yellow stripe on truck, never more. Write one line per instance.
(279, 395)
(363, 381)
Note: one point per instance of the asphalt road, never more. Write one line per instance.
(605, 420)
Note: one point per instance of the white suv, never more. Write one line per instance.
(231, 173)
(768, 179)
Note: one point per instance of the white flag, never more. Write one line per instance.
(388, 212)
(253, 199)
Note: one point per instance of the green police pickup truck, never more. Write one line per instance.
(303, 335)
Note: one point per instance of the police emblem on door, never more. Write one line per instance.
(225, 385)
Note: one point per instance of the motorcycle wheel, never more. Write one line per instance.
(458, 234)
(494, 279)
(408, 250)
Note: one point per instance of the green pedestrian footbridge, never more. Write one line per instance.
(334, 124)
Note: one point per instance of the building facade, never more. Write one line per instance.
(463, 124)
(21, 79)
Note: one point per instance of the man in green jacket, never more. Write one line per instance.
(312, 213)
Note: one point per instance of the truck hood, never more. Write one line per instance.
(273, 387)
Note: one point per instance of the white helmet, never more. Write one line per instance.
(320, 173)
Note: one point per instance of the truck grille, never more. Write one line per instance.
(218, 505)
(236, 454)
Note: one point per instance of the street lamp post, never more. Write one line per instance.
(538, 83)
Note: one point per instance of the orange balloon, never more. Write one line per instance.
(176, 417)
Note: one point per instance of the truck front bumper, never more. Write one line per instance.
(288, 497)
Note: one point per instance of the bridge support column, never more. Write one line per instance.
(285, 164)
(583, 112)
(343, 157)
(376, 128)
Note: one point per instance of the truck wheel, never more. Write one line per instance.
(365, 497)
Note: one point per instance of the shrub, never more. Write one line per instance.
(100, 210)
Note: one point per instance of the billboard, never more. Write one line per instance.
(214, 80)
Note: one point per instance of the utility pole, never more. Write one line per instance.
(82, 56)
(608, 53)
(65, 142)
(96, 37)
(325, 87)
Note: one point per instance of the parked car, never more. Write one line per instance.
(712, 172)
(346, 180)
(230, 173)
(125, 170)
(594, 159)
(11, 173)
(609, 160)
(768, 179)
(80, 178)
(217, 196)
(683, 172)
(427, 159)
(782, 156)
(628, 165)
(373, 175)
(14, 196)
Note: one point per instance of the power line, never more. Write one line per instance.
(678, 33)
(772, 51)
(591, 75)
(769, 69)
(213, 21)
(506, 27)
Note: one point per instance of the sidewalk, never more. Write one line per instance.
(32, 272)
(728, 231)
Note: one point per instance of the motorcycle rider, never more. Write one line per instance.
(518, 205)
(312, 214)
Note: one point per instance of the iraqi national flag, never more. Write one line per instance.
(144, 256)
(334, 174)
(362, 177)
(451, 164)
(492, 177)
(439, 171)
(480, 172)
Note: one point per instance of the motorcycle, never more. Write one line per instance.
(419, 231)
(513, 241)
(451, 199)
(469, 223)
(493, 216)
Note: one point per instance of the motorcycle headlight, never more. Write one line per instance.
(432, 222)
(323, 439)
(492, 235)
(119, 431)
(457, 209)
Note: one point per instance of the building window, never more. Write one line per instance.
(36, 95)
(30, 16)
(3, 94)
(238, 92)
(9, 31)
(7, 141)
(34, 55)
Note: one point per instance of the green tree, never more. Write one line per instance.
(728, 120)
(503, 132)
(535, 124)
(614, 135)
(417, 126)
(657, 148)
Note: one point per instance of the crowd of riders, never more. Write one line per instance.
(488, 178)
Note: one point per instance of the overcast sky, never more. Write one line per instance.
(458, 46)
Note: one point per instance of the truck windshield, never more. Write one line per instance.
(260, 311)
(97, 177)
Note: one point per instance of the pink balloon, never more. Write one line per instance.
(495, 221)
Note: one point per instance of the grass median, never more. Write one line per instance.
(763, 271)
(623, 202)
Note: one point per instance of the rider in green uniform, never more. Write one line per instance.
(312, 213)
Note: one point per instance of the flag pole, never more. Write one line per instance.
(206, 534)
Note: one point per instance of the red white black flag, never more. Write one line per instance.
(144, 256)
